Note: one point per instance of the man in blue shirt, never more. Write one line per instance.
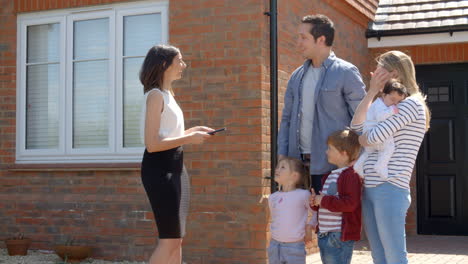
(320, 98)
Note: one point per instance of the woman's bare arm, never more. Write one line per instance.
(153, 142)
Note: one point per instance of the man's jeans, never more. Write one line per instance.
(333, 250)
(286, 253)
(384, 210)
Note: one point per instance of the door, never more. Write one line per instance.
(442, 174)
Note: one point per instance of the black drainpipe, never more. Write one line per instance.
(273, 14)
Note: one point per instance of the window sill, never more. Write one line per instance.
(74, 167)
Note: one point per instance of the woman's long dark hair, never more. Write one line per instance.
(157, 61)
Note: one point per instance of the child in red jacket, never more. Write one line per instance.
(339, 202)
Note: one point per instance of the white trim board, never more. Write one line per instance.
(418, 39)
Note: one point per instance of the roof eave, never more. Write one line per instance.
(370, 33)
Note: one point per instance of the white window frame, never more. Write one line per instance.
(65, 153)
(119, 66)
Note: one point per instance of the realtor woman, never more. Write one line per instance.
(163, 173)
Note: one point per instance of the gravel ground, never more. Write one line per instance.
(48, 257)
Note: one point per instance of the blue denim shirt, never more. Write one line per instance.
(339, 91)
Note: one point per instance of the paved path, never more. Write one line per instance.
(421, 250)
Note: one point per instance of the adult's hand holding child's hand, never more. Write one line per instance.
(315, 199)
(318, 199)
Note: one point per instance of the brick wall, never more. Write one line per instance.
(366, 7)
(7, 81)
(221, 41)
(107, 208)
(432, 54)
(425, 54)
(38, 5)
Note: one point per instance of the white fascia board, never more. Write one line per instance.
(417, 39)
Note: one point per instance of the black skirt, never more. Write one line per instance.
(167, 185)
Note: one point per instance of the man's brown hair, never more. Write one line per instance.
(346, 140)
(321, 26)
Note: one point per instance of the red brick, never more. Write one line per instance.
(449, 53)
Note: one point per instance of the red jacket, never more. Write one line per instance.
(348, 202)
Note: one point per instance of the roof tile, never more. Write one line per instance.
(403, 14)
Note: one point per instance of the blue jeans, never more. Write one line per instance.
(384, 210)
(286, 253)
(333, 250)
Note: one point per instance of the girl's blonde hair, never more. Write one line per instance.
(297, 166)
(401, 63)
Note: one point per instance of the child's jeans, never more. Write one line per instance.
(286, 253)
(333, 250)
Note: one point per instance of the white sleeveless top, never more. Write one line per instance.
(172, 117)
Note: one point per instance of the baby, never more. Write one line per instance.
(380, 110)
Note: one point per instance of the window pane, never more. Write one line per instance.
(133, 99)
(141, 33)
(90, 104)
(443, 98)
(43, 43)
(432, 98)
(443, 90)
(42, 112)
(91, 39)
(433, 90)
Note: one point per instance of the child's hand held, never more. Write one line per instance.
(318, 199)
(312, 197)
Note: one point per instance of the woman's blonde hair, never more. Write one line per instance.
(401, 63)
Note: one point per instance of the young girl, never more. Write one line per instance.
(162, 170)
(289, 210)
(381, 109)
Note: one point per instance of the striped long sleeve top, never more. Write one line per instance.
(407, 128)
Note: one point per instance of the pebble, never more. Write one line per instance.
(49, 257)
